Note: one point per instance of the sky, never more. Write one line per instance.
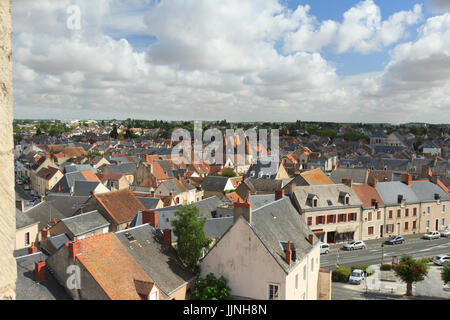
(240, 60)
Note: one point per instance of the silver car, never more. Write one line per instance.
(432, 235)
(441, 259)
(445, 233)
(354, 245)
(356, 276)
(324, 248)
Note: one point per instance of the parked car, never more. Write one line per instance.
(356, 276)
(395, 240)
(324, 248)
(441, 259)
(445, 233)
(26, 187)
(354, 245)
(432, 235)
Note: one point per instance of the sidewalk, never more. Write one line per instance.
(377, 243)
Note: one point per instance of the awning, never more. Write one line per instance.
(345, 229)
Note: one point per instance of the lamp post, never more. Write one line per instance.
(382, 252)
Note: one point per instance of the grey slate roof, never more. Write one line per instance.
(68, 181)
(389, 192)
(43, 212)
(59, 240)
(158, 259)
(123, 168)
(358, 175)
(85, 222)
(149, 203)
(22, 220)
(216, 227)
(426, 190)
(65, 203)
(259, 200)
(328, 196)
(214, 183)
(79, 167)
(84, 188)
(265, 171)
(26, 286)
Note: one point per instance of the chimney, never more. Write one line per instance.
(59, 187)
(435, 159)
(20, 204)
(373, 182)
(347, 182)
(426, 171)
(74, 249)
(92, 192)
(242, 209)
(279, 194)
(47, 155)
(311, 239)
(407, 178)
(289, 253)
(167, 235)
(45, 233)
(291, 187)
(32, 249)
(150, 216)
(39, 271)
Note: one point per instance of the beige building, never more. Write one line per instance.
(46, 179)
(27, 230)
(333, 212)
(267, 254)
(8, 274)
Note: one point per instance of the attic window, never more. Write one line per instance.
(347, 199)
(314, 203)
(330, 203)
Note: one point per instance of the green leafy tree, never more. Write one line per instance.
(114, 134)
(410, 270)
(38, 131)
(211, 288)
(229, 172)
(446, 273)
(189, 229)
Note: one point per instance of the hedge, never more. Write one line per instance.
(386, 267)
(341, 274)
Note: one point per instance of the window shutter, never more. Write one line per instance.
(349, 217)
(356, 216)
(317, 220)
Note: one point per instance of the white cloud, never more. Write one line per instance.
(220, 60)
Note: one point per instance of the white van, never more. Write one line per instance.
(324, 248)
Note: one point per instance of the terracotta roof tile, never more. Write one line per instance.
(112, 266)
(366, 193)
(122, 205)
(316, 177)
(90, 175)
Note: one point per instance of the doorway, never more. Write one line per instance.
(437, 224)
(381, 231)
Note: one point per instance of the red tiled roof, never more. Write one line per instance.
(47, 173)
(366, 193)
(316, 177)
(112, 266)
(89, 175)
(234, 197)
(121, 205)
(103, 177)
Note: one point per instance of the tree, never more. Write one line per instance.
(38, 131)
(228, 172)
(114, 134)
(446, 273)
(189, 229)
(211, 288)
(410, 270)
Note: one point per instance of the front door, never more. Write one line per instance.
(437, 224)
(398, 228)
(381, 231)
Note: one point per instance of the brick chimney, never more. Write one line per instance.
(39, 271)
(279, 194)
(150, 216)
(20, 204)
(289, 253)
(32, 249)
(407, 178)
(45, 233)
(242, 209)
(347, 182)
(311, 239)
(59, 187)
(167, 235)
(426, 171)
(373, 182)
(74, 249)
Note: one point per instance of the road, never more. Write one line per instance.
(413, 245)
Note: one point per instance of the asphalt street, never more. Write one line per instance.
(413, 245)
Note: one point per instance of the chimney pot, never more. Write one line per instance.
(167, 235)
(289, 253)
(32, 249)
(374, 182)
(279, 194)
(39, 271)
(74, 249)
(407, 178)
(45, 233)
(242, 209)
(150, 216)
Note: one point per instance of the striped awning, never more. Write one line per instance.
(346, 229)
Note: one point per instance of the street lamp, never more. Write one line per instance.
(382, 253)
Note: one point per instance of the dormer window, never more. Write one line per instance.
(347, 199)
(315, 203)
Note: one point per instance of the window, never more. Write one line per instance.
(399, 213)
(370, 231)
(273, 291)
(414, 225)
(443, 222)
(443, 208)
(406, 225)
(27, 238)
(331, 218)
(414, 211)
(342, 217)
(428, 210)
(379, 215)
(369, 216)
(428, 223)
(320, 220)
(315, 203)
(309, 221)
(347, 198)
(390, 214)
(352, 216)
(406, 212)
(390, 228)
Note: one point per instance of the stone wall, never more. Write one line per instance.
(8, 272)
